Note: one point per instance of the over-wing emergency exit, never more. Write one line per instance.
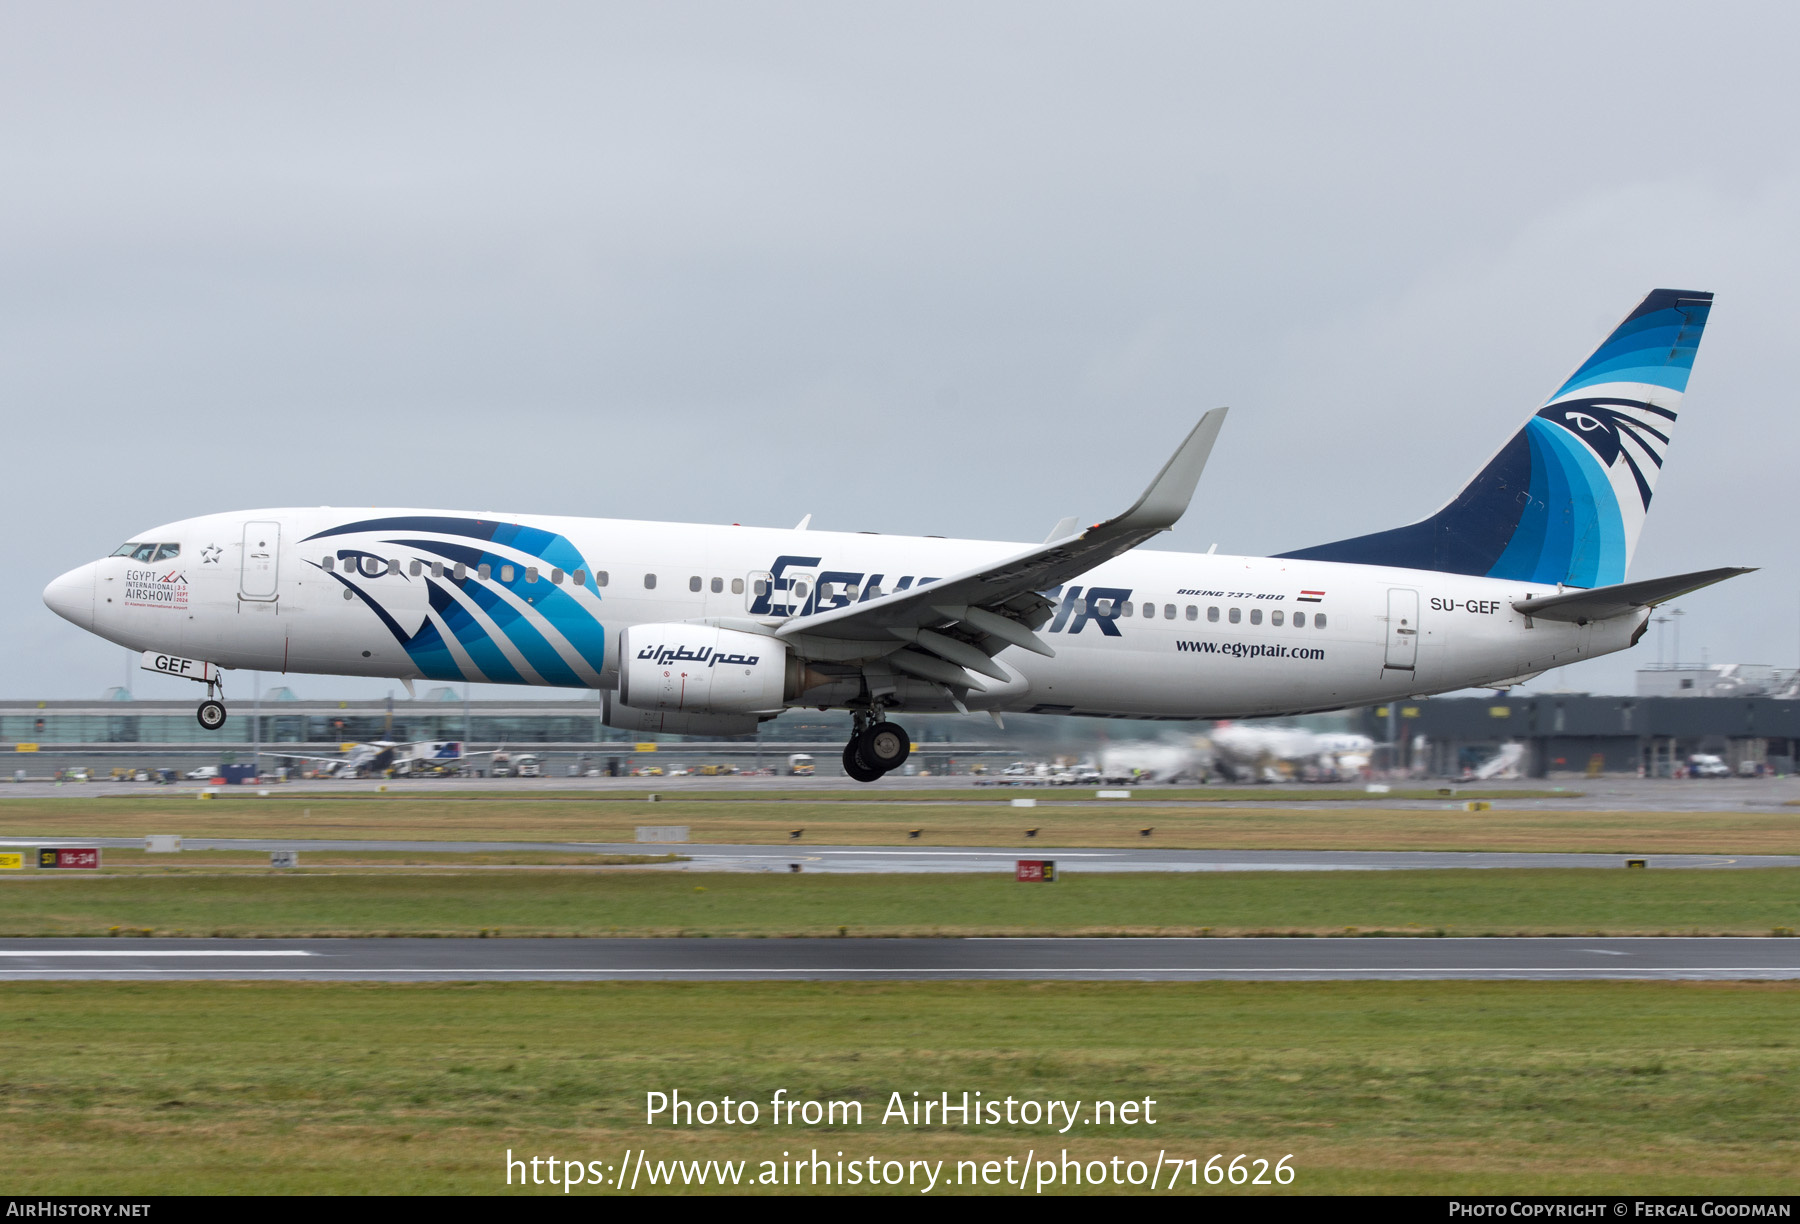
(696, 629)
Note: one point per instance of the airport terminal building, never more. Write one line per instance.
(1748, 716)
(119, 732)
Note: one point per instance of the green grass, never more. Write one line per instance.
(1379, 1087)
(882, 821)
(519, 903)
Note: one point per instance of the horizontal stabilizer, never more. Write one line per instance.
(1608, 601)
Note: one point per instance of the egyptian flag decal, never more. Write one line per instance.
(1311, 596)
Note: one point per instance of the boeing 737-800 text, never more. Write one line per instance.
(707, 630)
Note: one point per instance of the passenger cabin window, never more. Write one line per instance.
(1168, 611)
(600, 578)
(484, 571)
(1212, 614)
(329, 563)
(761, 588)
(694, 583)
(461, 571)
(718, 586)
(531, 573)
(1193, 613)
(1256, 616)
(1103, 607)
(556, 577)
(437, 569)
(649, 582)
(1150, 611)
(1236, 615)
(579, 577)
(1275, 617)
(393, 565)
(506, 573)
(416, 568)
(1318, 620)
(1125, 608)
(737, 586)
(1299, 620)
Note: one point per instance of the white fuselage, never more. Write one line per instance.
(1147, 635)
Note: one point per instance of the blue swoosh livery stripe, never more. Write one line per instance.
(554, 602)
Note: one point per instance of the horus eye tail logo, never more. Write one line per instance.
(1564, 500)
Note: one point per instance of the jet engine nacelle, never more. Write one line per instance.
(668, 722)
(700, 669)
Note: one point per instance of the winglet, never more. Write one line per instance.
(1167, 498)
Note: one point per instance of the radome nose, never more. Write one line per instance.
(72, 596)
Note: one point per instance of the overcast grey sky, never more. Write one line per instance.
(956, 269)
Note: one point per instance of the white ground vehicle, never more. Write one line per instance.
(527, 766)
(800, 765)
(1706, 765)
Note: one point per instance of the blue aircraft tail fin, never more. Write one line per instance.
(1564, 500)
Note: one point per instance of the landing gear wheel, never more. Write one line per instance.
(855, 768)
(883, 747)
(211, 714)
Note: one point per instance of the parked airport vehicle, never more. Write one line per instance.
(709, 630)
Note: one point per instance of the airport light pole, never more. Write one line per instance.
(256, 725)
(1677, 613)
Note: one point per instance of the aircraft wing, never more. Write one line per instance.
(948, 628)
(1602, 602)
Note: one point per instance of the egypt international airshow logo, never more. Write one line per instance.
(146, 588)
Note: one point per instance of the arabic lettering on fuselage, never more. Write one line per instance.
(664, 655)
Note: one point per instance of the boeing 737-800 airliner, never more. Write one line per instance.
(707, 630)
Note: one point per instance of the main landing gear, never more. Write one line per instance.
(876, 747)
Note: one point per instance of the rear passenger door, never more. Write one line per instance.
(1402, 630)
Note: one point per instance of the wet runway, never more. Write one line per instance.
(492, 960)
(936, 859)
(1584, 794)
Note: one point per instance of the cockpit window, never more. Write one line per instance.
(148, 552)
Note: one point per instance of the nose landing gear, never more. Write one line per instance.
(876, 748)
(211, 714)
